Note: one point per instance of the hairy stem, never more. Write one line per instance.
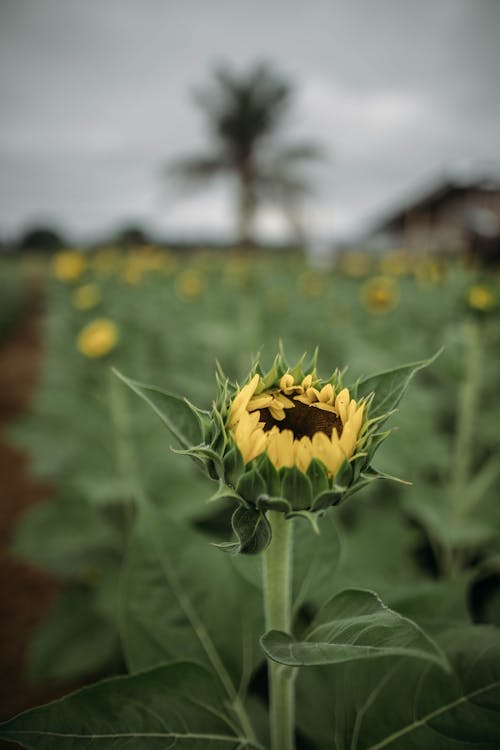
(277, 571)
(464, 442)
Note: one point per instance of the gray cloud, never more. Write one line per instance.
(95, 98)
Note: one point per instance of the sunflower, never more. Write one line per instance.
(68, 265)
(480, 297)
(189, 285)
(285, 442)
(297, 422)
(86, 297)
(98, 338)
(380, 294)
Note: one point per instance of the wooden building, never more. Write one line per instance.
(455, 217)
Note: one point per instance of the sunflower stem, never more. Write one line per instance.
(277, 578)
(126, 459)
(464, 441)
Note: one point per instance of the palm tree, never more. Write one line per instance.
(244, 113)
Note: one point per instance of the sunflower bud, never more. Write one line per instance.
(285, 440)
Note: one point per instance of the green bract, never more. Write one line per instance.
(267, 446)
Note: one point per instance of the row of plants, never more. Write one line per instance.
(130, 531)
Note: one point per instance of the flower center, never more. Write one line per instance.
(303, 421)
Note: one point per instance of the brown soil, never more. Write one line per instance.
(26, 592)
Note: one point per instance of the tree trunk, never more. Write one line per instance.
(246, 208)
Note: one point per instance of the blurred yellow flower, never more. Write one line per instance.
(429, 271)
(86, 297)
(68, 265)
(481, 297)
(189, 285)
(296, 423)
(380, 294)
(311, 284)
(98, 338)
(106, 261)
(395, 263)
(132, 272)
(354, 263)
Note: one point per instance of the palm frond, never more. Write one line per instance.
(197, 170)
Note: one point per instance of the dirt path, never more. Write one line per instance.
(26, 593)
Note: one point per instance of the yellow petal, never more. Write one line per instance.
(256, 445)
(284, 401)
(287, 383)
(324, 407)
(356, 420)
(303, 399)
(259, 402)
(307, 382)
(303, 453)
(348, 439)
(351, 410)
(326, 394)
(277, 411)
(310, 396)
(241, 400)
(342, 403)
(330, 453)
(247, 424)
(280, 448)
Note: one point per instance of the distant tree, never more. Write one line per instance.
(41, 239)
(245, 113)
(132, 235)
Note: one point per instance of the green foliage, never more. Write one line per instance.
(407, 704)
(352, 625)
(130, 534)
(73, 620)
(179, 704)
(170, 583)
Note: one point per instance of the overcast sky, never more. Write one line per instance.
(95, 98)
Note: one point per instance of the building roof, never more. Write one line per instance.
(434, 194)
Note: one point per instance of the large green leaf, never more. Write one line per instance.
(377, 551)
(353, 625)
(408, 704)
(176, 413)
(176, 705)
(74, 639)
(67, 536)
(389, 386)
(181, 595)
(315, 560)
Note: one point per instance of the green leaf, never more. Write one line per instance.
(353, 625)
(315, 561)
(318, 476)
(269, 474)
(74, 639)
(327, 499)
(389, 386)
(265, 502)
(250, 486)
(179, 704)
(252, 530)
(233, 466)
(172, 587)
(296, 488)
(408, 704)
(377, 551)
(66, 536)
(180, 417)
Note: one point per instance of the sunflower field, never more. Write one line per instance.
(384, 628)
